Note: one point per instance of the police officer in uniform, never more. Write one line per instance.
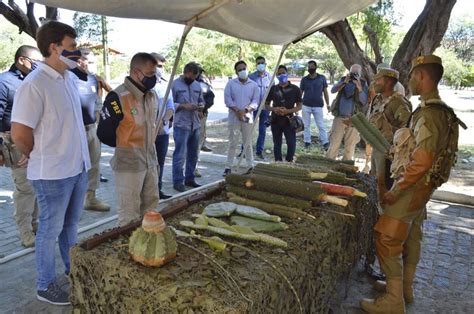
(388, 112)
(127, 122)
(433, 129)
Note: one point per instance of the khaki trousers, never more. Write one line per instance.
(398, 232)
(24, 198)
(94, 154)
(234, 129)
(202, 135)
(137, 193)
(340, 131)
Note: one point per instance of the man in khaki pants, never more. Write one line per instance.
(128, 123)
(26, 209)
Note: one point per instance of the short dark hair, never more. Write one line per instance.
(260, 58)
(53, 32)
(239, 62)
(24, 51)
(434, 70)
(312, 62)
(192, 67)
(281, 66)
(142, 58)
(158, 57)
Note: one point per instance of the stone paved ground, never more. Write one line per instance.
(444, 282)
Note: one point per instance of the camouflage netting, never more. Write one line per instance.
(320, 253)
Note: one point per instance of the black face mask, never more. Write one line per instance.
(188, 80)
(312, 71)
(149, 81)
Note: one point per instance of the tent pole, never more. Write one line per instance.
(261, 106)
(187, 28)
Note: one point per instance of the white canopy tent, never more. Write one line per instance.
(275, 22)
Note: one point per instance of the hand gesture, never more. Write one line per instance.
(23, 162)
(358, 85)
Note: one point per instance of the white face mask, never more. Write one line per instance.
(243, 74)
(70, 63)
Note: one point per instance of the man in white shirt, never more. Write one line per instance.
(48, 128)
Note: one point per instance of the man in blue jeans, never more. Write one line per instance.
(189, 106)
(263, 80)
(47, 127)
(313, 86)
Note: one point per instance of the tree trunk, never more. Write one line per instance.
(26, 22)
(374, 43)
(424, 36)
(348, 49)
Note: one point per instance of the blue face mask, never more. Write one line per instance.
(74, 55)
(283, 78)
(261, 67)
(34, 65)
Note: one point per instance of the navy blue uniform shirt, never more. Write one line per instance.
(9, 83)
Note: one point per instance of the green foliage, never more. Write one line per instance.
(455, 70)
(381, 18)
(118, 66)
(88, 27)
(217, 52)
(460, 39)
(10, 40)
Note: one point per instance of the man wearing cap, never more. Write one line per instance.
(388, 112)
(434, 129)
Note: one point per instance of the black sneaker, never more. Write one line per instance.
(192, 184)
(260, 157)
(227, 171)
(103, 179)
(307, 145)
(54, 295)
(179, 187)
(326, 146)
(164, 196)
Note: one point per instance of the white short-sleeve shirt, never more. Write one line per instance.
(49, 103)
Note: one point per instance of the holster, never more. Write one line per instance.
(11, 154)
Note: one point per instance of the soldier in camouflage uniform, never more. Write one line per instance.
(433, 131)
(388, 112)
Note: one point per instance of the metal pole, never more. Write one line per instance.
(105, 51)
(260, 107)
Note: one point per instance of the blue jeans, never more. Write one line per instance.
(186, 144)
(161, 143)
(60, 204)
(290, 137)
(262, 128)
(318, 115)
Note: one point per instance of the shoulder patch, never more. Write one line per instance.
(422, 132)
(116, 107)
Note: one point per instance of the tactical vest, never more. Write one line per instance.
(377, 116)
(135, 150)
(445, 159)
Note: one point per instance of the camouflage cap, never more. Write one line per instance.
(387, 72)
(425, 60)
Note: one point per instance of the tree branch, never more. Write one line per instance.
(16, 19)
(424, 36)
(374, 43)
(30, 13)
(348, 49)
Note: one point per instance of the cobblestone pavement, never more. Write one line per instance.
(444, 282)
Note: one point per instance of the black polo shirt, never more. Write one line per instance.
(287, 97)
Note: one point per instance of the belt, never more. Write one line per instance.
(89, 126)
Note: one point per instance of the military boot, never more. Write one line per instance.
(408, 277)
(391, 302)
(27, 237)
(93, 204)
